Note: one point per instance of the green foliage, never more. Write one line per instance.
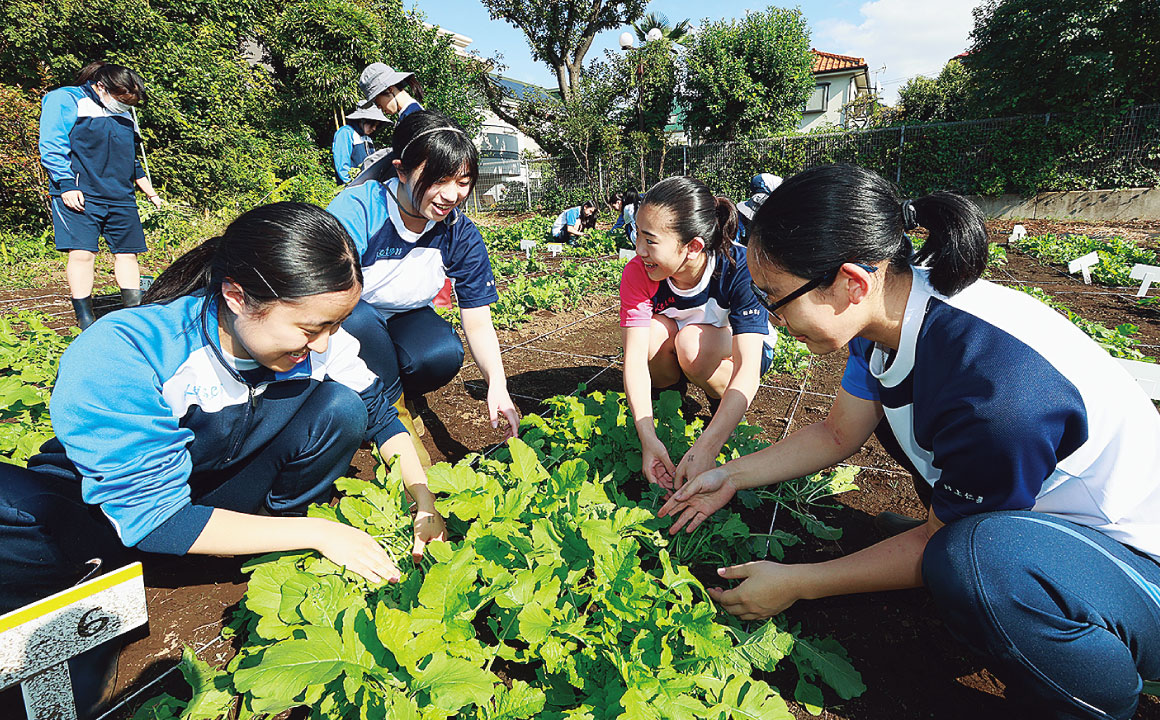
(941, 99)
(29, 354)
(1091, 56)
(565, 287)
(1117, 255)
(560, 33)
(747, 77)
(553, 575)
(790, 356)
(1118, 342)
(224, 130)
(23, 184)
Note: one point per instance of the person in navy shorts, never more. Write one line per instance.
(88, 138)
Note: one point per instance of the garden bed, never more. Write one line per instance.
(909, 663)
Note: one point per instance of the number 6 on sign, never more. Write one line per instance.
(37, 640)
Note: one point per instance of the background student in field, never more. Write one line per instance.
(352, 143)
(571, 224)
(208, 420)
(626, 204)
(411, 236)
(390, 92)
(1041, 454)
(88, 141)
(688, 313)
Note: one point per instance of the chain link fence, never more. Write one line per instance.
(1023, 155)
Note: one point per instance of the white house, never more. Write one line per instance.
(500, 143)
(838, 79)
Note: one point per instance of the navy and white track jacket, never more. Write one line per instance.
(1000, 403)
(145, 398)
(85, 146)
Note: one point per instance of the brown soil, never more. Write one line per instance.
(909, 663)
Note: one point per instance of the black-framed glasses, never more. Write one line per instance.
(828, 278)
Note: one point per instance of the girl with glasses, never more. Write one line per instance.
(688, 314)
(1039, 455)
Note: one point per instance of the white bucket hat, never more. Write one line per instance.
(377, 78)
(367, 113)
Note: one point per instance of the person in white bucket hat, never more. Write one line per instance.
(352, 142)
(394, 92)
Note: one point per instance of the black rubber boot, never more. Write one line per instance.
(891, 524)
(130, 297)
(83, 307)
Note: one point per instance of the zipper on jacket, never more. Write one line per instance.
(249, 417)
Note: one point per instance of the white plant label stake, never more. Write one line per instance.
(1146, 274)
(554, 248)
(37, 640)
(1017, 233)
(526, 246)
(627, 254)
(1084, 265)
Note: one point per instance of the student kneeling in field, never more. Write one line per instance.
(207, 420)
(570, 225)
(1039, 454)
(411, 236)
(688, 312)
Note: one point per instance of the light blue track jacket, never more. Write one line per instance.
(145, 398)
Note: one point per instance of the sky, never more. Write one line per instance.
(898, 38)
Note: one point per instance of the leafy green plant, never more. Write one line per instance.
(790, 356)
(567, 590)
(29, 354)
(1117, 255)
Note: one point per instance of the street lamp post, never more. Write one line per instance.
(626, 44)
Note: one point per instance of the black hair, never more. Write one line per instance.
(282, 251)
(696, 212)
(614, 197)
(120, 82)
(631, 197)
(440, 142)
(587, 223)
(833, 214)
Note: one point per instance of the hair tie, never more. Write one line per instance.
(428, 132)
(909, 215)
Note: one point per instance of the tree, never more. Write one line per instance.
(747, 77)
(941, 99)
(1037, 56)
(223, 128)
(673, 33)
(561, 33)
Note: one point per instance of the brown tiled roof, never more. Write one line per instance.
(825, 62)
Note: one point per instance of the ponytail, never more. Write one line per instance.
(190, 273)
(696, 212)
(833, 214)
(274, 252)
(726, 219)
(956, 251)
